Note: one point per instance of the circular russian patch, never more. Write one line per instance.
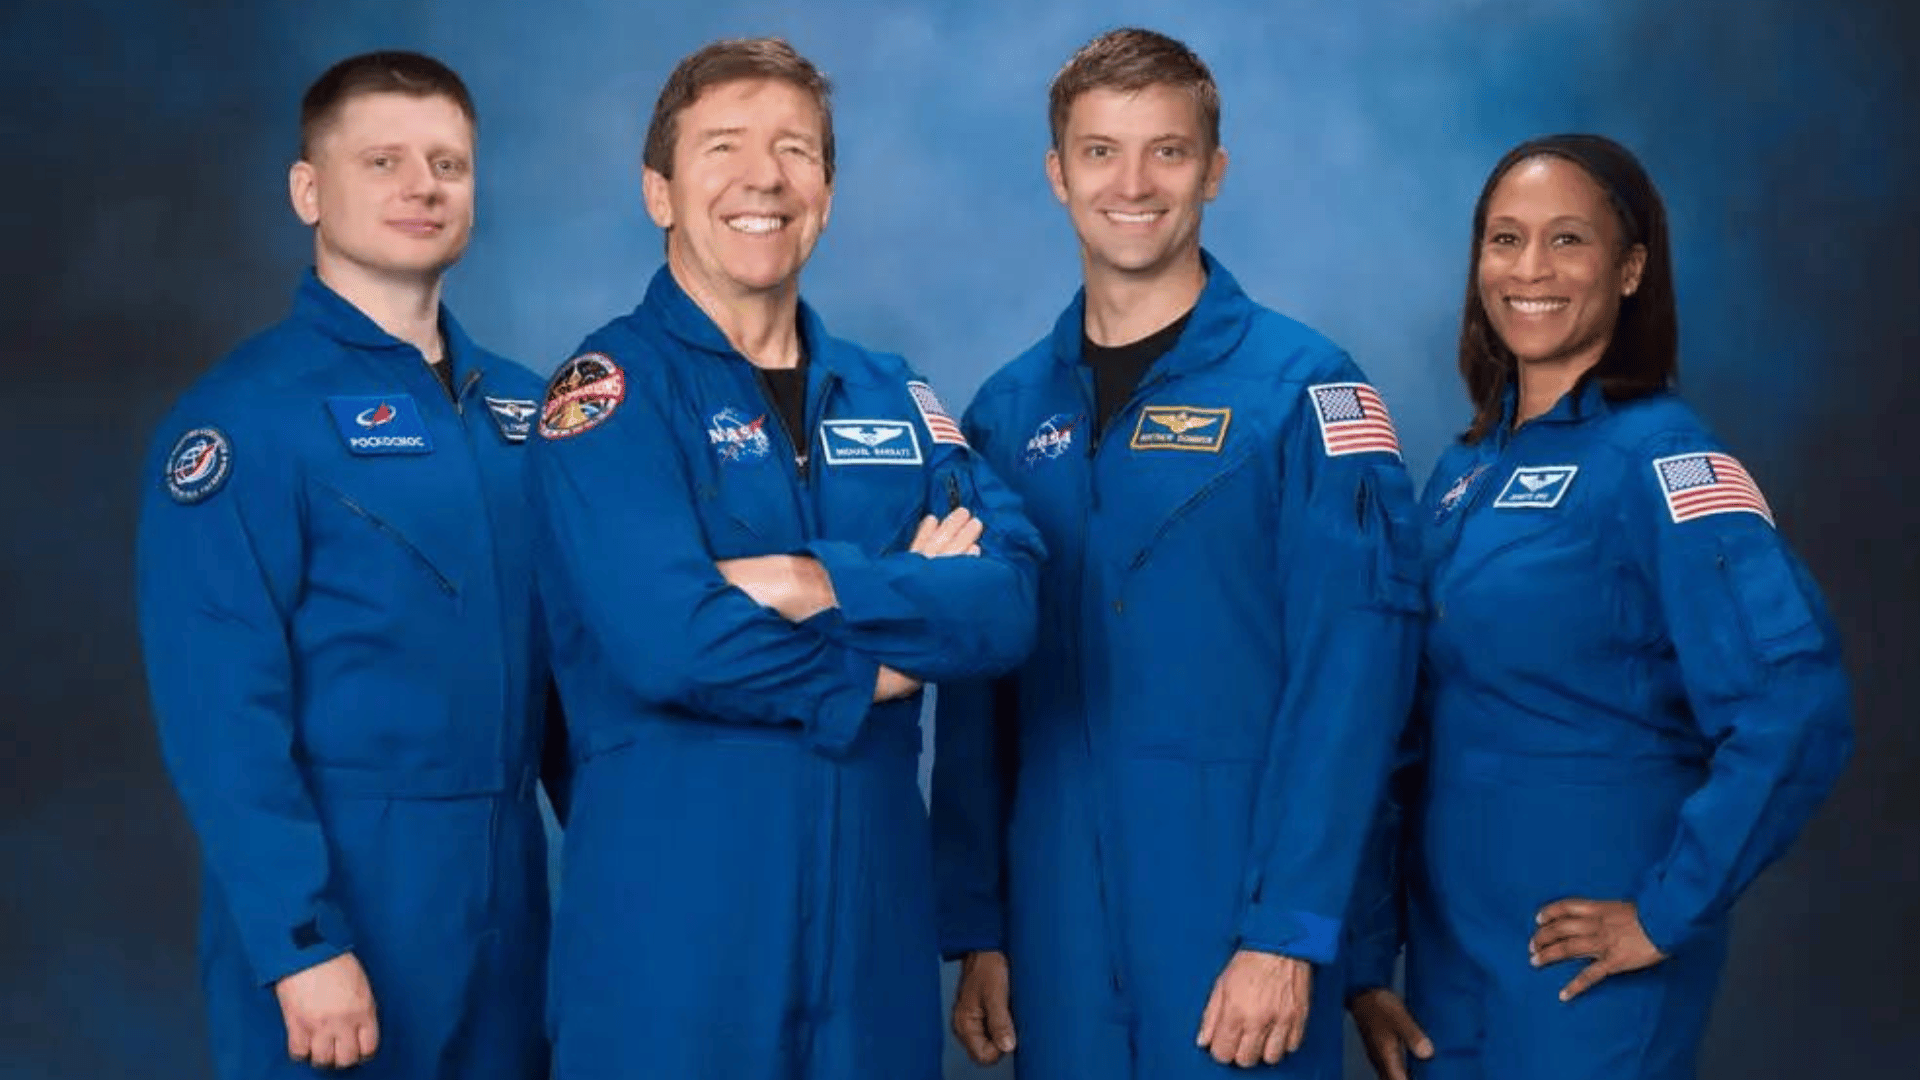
(198, 465)
(583, 395)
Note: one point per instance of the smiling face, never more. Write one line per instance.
(1134, 170)
(749, 194)
(1553, 264)
(388, 187)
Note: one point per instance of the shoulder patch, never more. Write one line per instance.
(940, 425)
(1703, 484)
(198, 465)
(1353, 419)
(513, 416)
(583, 395)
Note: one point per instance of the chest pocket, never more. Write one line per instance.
(377, 540)
(1159, 503)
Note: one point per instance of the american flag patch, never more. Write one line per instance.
(1697, 485)
(1353, 419)
(939, 424)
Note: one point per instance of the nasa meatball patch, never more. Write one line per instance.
(198, 465)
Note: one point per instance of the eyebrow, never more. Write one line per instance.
(1555, 220)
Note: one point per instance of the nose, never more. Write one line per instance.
(761, 169)
(1134, 183)
(1533, 263)
(417, 178)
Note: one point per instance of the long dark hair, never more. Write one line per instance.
(1643, 356)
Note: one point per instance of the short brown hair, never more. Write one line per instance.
(1131, 59)
(734, 60)
(387, 72)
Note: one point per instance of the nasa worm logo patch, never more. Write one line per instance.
(198, 465)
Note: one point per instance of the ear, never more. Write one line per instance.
(1056, 176)
(1636, 264)
(653, 188)
(303, 190)
(1216, 172)
(826, 209)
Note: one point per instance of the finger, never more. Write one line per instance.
(322, 1056)
(952, 527)
(971, 1028)
(1384, 1050)
(1561, 909)
(1226, 1037)
(1590, 948)
(1297, 1030)
(299, 1040)
(973, 549)
(921, 534)
(1560, 930)
(1000, 1024)
(1410, 1033)
(369, 1037)
(346, 1050)
(1209, 1018)
(1276, 1047)
(1589, 975)
(970, 533)
(1252, 1041)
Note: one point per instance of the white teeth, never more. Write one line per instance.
(749, 224)
(1141, 218)
(1535, 307)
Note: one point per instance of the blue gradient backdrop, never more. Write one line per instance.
(147, 231)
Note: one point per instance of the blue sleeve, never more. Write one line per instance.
(1376, 916)
(217, 578)
(943, 619)
(973, 769)
(620, 551)
(1761, 664)
(1350, 603)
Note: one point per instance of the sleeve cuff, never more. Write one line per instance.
(1299, 934)
(286, 950)
(1662, 927)
(837, 721)
(862, 586)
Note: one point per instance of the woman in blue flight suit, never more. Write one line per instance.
(1631, 697)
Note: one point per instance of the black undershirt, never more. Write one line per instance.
(1118, 369)
(787, 391)
(444, 372)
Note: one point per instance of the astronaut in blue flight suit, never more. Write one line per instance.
(755, 541)
(336, 603)
(1632, 697)
(1145, 838)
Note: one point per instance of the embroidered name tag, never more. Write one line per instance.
(380, 425)
(1536, 487)
(869, 442)
(1181, 427)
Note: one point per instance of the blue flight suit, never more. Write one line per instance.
(747, 888)
(1631, 691)
(347, 671)
(1188, 764)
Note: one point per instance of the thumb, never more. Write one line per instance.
(1410, 1034)
(1000, 1025)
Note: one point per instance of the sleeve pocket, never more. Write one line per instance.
(1396, 582)
(1778, 622)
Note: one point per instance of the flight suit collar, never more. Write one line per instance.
(333, 315)
(1220, 319)
(1586, 401)
(685, 320)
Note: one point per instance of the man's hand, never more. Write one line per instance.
(982, 1020)
(329, 1013)
(956, 534)
(1606, 931)
(890, 684)
(1388, 1032)
(1258, 1011)
(794, 585)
